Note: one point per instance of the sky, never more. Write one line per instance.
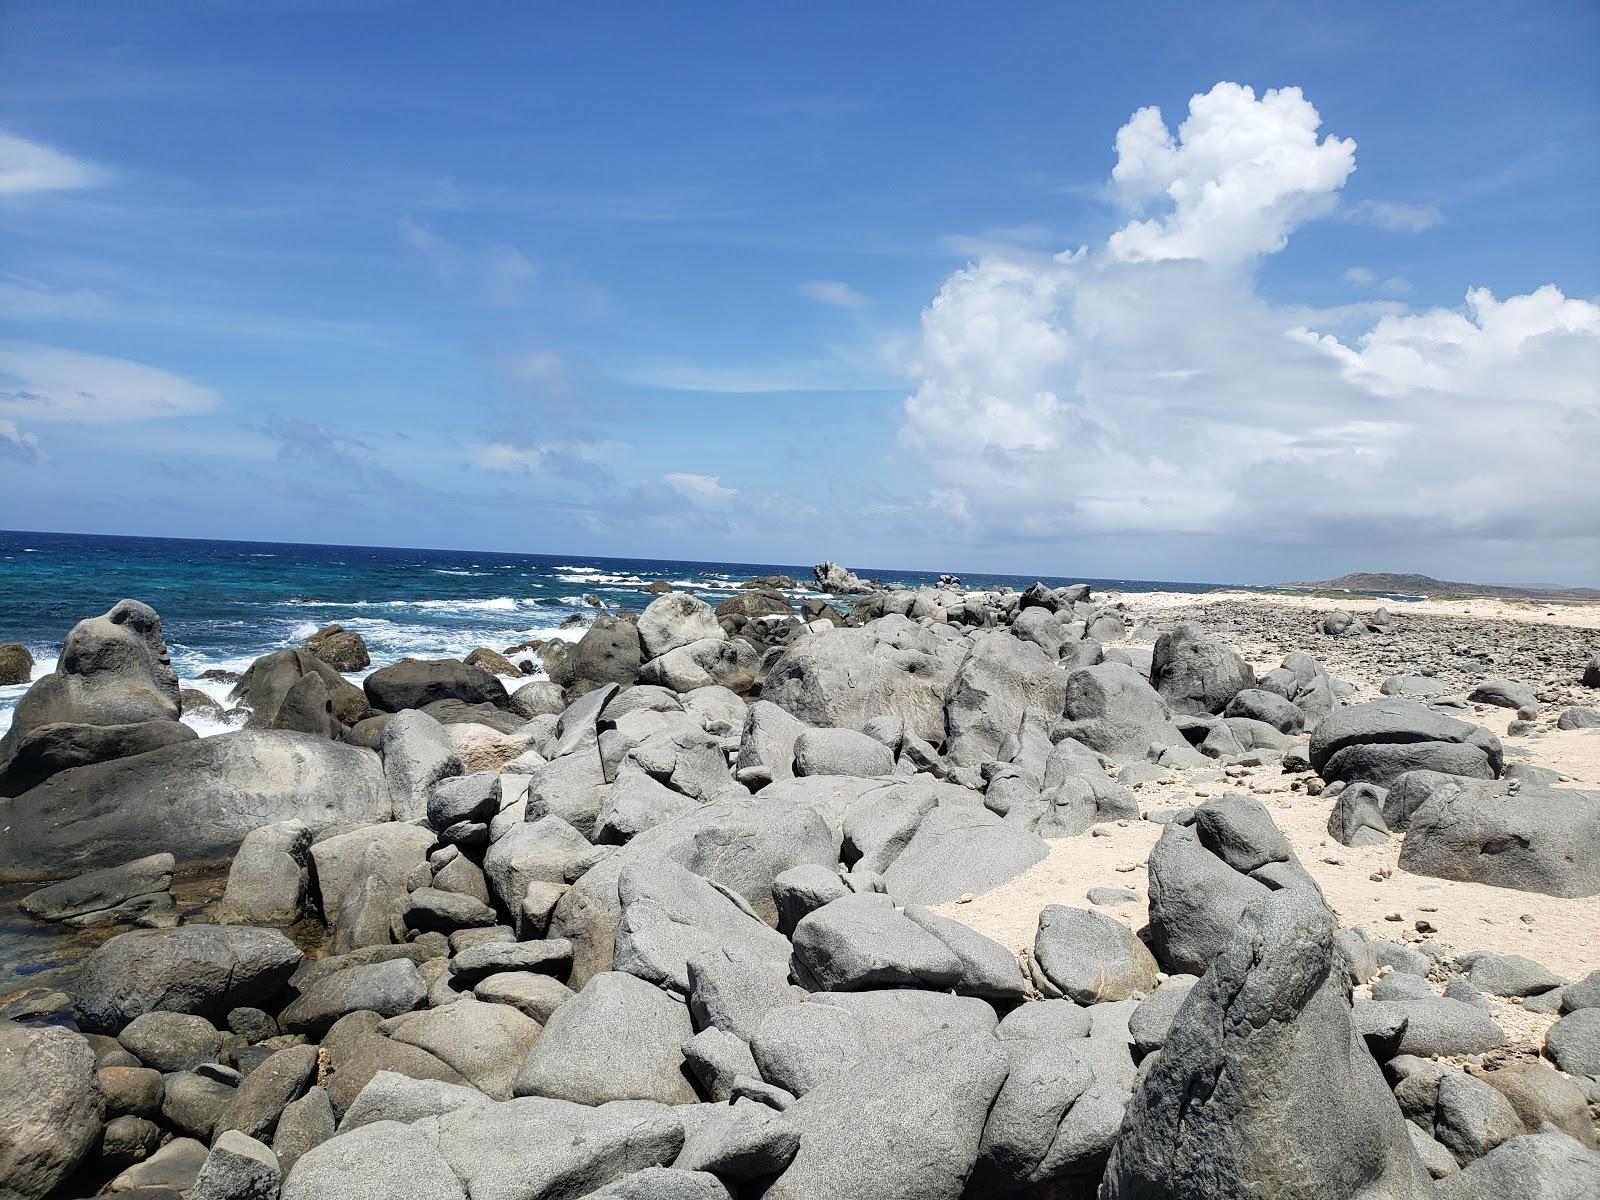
(1244, 293)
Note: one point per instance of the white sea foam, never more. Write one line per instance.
(446, 571)
(498, 604)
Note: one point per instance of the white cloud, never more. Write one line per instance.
(32, 167)
(702, 491)
(1397, 218)
(518, 458)
(833, 292)
(1113, 391)
(1366, 277)
(1240, 175)
(46, 383)
(496, 274)
(14, 443)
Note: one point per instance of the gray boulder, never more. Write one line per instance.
(51, 1108)
(194, 799)
(1357, 816)
(387, 988)
(1264, 1087)
(718, 661)
(1380, 740)
(1000, 678)
(1579, 718)
(207, 970)
(339, 648)
(561, 1149)
(840, 752)
(1543, 1096)
(169, 1041)
(1534, 838)
(1196, 673)
(844, 678)
(388, 1159)
(1470, 1118)
(304, 1125)
(1573, 1042)
(269, 881)
(1258, 704)
(673, 620)
(415, 682)
(664, 1183)
(1206, 870)
(1430, 1026)
(1301, 681)
(139, 891)
(863, 941)
(271, 1088)
(909, 1129)
(766, 744)
(734, 991)
(1510, 975)
(619, 1038)
(389, 852)
(1061, 1108)
(1504, 693)
(1113, 709)
(738, 1143)
(988, 969)
(671, 916)
(485, 1043)
(960, 849)
(47, 750)
(417, 753)
(741, 844)
(1539, 1166)
(238, 1168)
(1090, 958)
(292, 689)
(394, 1097)
(608, 653)
(113, 670)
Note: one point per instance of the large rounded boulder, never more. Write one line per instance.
(196, 799)
(113, 670)
(1379, 741)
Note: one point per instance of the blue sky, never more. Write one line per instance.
(879, 283)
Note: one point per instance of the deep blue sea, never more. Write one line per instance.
(222, 604)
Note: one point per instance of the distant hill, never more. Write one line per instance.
(1426, 585)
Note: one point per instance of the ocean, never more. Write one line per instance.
(223, 604)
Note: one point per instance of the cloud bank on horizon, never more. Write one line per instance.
(1145, 385)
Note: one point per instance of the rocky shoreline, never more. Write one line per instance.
(918, 893)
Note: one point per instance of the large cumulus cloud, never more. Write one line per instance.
(1147, 385)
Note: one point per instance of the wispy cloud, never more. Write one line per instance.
(703, 491)
(47, 383)
(497, 273)
(17, 445)
(833, 292)
(567, 459)
(1366, 277)
(34, 167)
(22, 300)
(1393, 216)
(674, 375)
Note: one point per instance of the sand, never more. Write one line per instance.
(1563, 934)
(1533, 612)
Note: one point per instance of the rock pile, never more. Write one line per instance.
(662, 924)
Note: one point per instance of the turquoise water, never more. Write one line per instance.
(223, 604)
